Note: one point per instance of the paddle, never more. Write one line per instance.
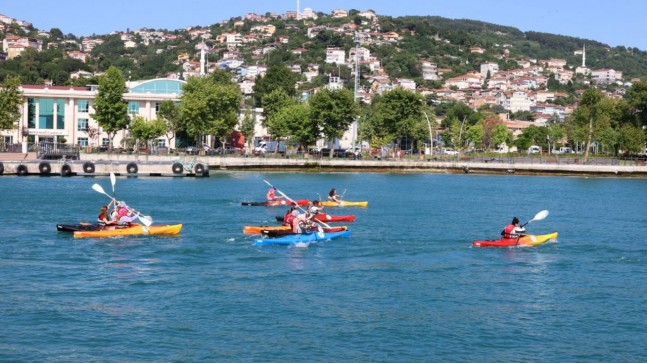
(538, 217)
(295, 203)
(146, 220)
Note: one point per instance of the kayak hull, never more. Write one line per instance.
(525, 240)
(327, 218)
(79, 227)
(285, 232)
(300, 238)
(344, 203)
(277, 203)
(132, 230)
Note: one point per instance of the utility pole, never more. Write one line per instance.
(355, 98)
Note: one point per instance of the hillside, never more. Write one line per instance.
(52, 57)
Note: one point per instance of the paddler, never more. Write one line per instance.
(288, 217)
(332, 196)
(315, 207)
(271, 195)
(103, 219)
(125, 215)
(513, 230)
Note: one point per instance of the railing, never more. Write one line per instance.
(55, 151)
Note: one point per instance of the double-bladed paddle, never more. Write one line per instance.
(146, 220)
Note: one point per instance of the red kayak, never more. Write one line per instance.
(322, 217)
(524, 240)
(277, 203)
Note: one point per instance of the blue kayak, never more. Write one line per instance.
(300, 238)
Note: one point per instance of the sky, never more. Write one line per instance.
(614, 23)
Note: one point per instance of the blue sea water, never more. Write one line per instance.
(405, 287)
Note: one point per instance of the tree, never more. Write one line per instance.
(401, 112)
(247, 126)
(631, 139)
(475, 134)
(170, 114)
(146, 131)
(592, 115)
(274, 103)
(111, 110)
(333, 112)
(10, 103)
(209, 108)
(298, 122)
(637, 98)
(275, 77)
(500, 134)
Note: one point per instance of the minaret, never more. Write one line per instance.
(202, 60)
(584, 56)
(298, 17)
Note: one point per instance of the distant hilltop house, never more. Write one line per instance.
(606, 76)
(13, 45)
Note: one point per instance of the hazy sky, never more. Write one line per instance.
(613, 23)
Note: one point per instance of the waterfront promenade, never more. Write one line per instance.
(197, 165)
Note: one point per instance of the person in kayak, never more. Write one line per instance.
(103, 219)
(513, 230)
(124, 214)
(332, 196)
(315, 207)
(271, 195)
(288, 217)
(299, 223)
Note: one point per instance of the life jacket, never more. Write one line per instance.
(508, 231)
(298, 223)
(101, 217)
(287, 220)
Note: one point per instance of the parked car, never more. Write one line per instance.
(563, 150)
(449, 152)
(534, 149)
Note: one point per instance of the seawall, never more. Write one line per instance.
(187, 165)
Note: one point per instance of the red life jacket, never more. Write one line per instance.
(508, 231)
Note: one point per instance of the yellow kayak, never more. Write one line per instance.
(344, 203)
(133, 229)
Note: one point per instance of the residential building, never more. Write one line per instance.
(335, 55)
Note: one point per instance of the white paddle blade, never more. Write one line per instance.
(541, 215)
(113, 181)
(98, 188)
(146, 220)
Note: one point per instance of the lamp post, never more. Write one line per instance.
(431, 135)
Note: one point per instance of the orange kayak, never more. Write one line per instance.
(133, 229)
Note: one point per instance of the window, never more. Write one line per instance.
(160, 142)
(82, 124)
(133, 108)
(157, 107)
(84, 106)
(83, 141)
(46, 114)
(104, 141)
(31, 113)
(60, 114)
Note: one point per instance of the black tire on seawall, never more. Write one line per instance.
(44, 167)
(177, 168)
(199, 169)
(66, 170)
(1, 168)
(132, 168)
(88, 167)
(22, 170)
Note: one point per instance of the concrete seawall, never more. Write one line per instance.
(186, 165)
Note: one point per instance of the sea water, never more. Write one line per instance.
(407, 286)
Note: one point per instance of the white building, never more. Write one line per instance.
(335, 55)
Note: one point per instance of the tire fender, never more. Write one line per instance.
(88, 167)
(22, 170)
(177, 168)
(1, 168)
(199, 168)
(44, 167)
(132, 168)
(66, 170)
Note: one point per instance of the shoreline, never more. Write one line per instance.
(191, 165)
